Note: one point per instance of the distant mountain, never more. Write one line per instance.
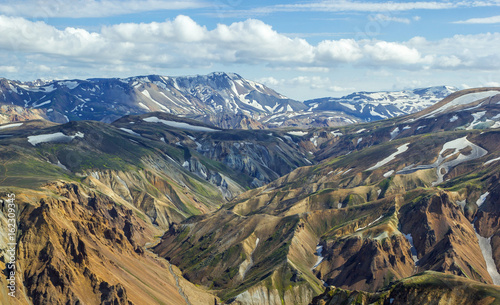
(223, 99)
(373, 106)
(106, 100)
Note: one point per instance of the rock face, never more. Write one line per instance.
(258, 157)
(76, 245)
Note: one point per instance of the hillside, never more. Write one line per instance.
(162, 209)
(404, 202)
(92, 196)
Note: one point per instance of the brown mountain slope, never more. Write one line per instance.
(78, 246)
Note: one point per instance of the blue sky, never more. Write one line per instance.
(302, 49)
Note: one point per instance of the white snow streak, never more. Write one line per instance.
(179, 125)
(401, 149)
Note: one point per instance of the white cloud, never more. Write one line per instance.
(360, 6)
(8, 69)
(492, 84)
(486, 20)
(344, 50)
(316, 83)
(309, 82)
(391, 52)
(313, 69)
(92, 8)
(386, 18)
(182, 42)
(270, 81)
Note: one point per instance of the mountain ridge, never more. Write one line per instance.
(219, 98)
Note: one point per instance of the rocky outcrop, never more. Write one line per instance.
(76, 245)
(366, 264)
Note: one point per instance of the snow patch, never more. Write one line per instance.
(70, 84)
(485, 163)
(477, 116)
(336, 133)
(401, 149)
(351, 107)
(389, 173)
(144, 106)
(412, 249)
(130, 131)
(394, 133)
(485, 245)
(319, 249)
(179, 125)
(10, 125)
(297, 133)
(53, 137)
(41, 104)
(376, 220)
(482, 199)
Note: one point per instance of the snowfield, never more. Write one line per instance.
(412, 249)
(319, 249)
(130, 131)
(454, 146)
(10, 125)
(485, 245)
(401, 149)
(179, 125)
(297, 133)
(53, 137)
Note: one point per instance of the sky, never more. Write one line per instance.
(302, 49)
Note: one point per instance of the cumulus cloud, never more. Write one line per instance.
(344, 50)
(91, 8)
(391, 52)
(182, 42)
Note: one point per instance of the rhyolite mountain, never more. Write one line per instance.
(389, 200)
(157, 209)
(92, 196)
(224, 99)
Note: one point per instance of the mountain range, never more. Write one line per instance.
(155, 208)
(224, 99)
